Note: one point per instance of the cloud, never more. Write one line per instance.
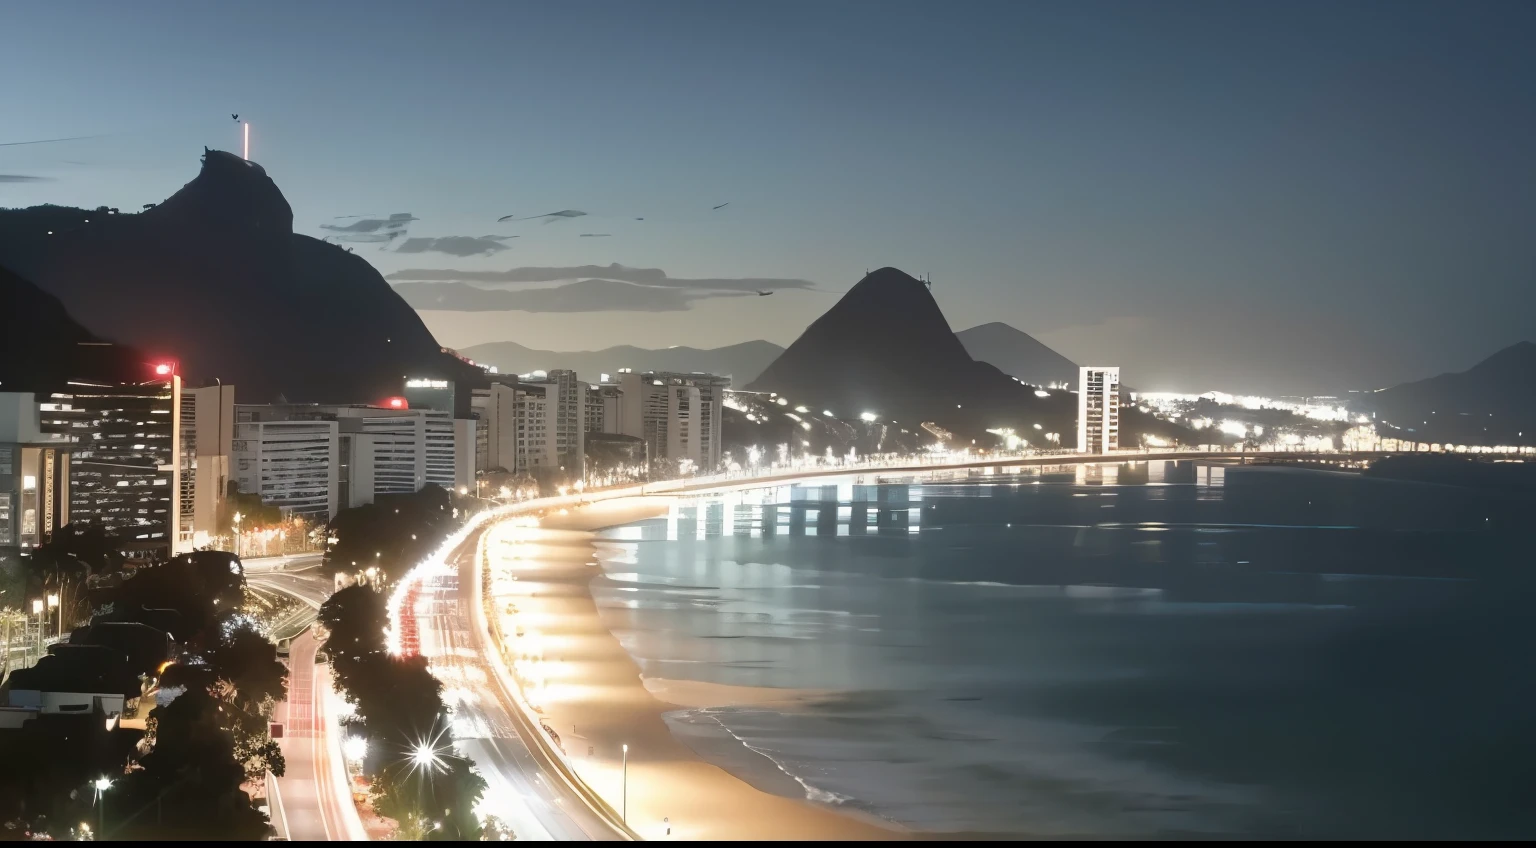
(397, 221)
(455, 245)
(22, 178)
(649, 277)
(580, 296)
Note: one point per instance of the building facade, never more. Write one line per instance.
(34, 477)
(207, 425)
(677, 415)
(292, 465)
(1098, 409)
(366, 451)
(125, 464)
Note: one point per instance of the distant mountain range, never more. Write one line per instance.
(1014, 352)
(1493, 402)
(741, 362)
(215, 278)
(1018, 354)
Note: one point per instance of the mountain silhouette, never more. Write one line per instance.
(1493, 402)
(215, 278)
(886, 348)
(42, 347)
(741, 362)
(1018, 354)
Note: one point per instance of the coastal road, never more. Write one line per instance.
(316, 798)
(523, 790)
(315, 794)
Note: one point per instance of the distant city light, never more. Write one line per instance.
(396, 403)
(163, 369)
(868, 416)
(1042, 393)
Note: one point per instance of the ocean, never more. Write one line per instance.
(1148, 650)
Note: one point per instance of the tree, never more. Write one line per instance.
(433, 800)
(248, 662)
(62, 564)
(393, 533)
(252, 510)
(249, 681)
(189, 786)
(51, 762)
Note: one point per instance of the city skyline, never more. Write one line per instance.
(1179, 180)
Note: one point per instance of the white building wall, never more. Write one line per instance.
(291, 465)
(1098, 409)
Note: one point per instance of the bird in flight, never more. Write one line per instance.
(235, 115)
(46, 140)
(764, 293)
(553, 216)
(722, 206)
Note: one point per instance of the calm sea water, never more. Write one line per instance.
(1137, 651)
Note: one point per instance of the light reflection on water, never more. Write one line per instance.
(1144, 649)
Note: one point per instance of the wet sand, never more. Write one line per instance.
(594, 698)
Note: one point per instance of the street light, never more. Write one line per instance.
(101, 785)
(624, 808)
(238, 516)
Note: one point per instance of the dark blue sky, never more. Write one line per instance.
(1250, 196)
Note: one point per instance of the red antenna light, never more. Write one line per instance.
(396, 403)
(164, 369)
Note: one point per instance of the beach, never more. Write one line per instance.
(593, 696)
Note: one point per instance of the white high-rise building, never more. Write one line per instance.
(495, 411)
(207, 431)
(1098, 409)
(678, 415)
(292, 465)
(368, 451)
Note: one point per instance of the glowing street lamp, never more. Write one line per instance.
(101, 785)
(624, 796)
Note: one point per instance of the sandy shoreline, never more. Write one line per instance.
(594, 697)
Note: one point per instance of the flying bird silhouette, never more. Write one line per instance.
(722, 206)
(764, 293)
(46, 140)
(234, 115)
(553, 216)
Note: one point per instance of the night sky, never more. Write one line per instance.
(1279, 197)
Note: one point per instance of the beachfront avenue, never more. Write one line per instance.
(551, 708)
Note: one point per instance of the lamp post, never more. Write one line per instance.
(37, 610)
(101, 785)
(53, 603)
(624, 795)
(237, 534)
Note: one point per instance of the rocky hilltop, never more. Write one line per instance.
(886, 348)
(215, 278)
